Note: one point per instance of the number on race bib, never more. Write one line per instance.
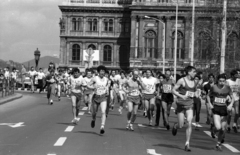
(167, 88)
(101, 90)
(134, 93)
(219, 100)
(190, 94)
(149, 87)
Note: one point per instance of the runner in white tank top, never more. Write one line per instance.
(149, 94)
(88, 93)
(235, 87)
(100, 84)
(121, 81)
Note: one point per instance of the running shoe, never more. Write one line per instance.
(74, 121)
(59, 99)
(51, 102)
(235, 129)
(93, 123)
(168, 127)
(208, 122)
(187, 148)
(120, 111)
(131, 127)
(127, 127)
(89, 112)
(174, 129)
(218, 147)
(222, 141)
(102, 130)
(228, 129)
(150, 123)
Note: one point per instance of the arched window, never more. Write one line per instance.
(150, 44)
(231, 47)
(74, 24)
(76, 52)
(180, 45)
(108, 25)
(92, 46)
(107, 53)
(92, 24)
(204, 45)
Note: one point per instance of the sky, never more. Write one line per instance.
(26, 25)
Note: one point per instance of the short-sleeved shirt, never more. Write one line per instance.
(32, 73)
(133, 87)
(41, 75)
(150, 84)
(76, 84)
(235, 87)
(121, 81)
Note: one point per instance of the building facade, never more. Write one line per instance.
(138, 33)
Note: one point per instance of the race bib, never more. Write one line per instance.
(220, 100)
(134, 93)
(101, 90)
(149, 88)
(190, 94)
(167, 88)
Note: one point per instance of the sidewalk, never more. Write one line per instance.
(10, 98)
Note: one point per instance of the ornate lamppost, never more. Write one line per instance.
(37, 55)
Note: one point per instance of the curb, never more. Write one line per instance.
(10, 98)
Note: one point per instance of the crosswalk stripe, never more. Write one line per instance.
(231, 148)
(152, 152)
(81, 113)
(60, 141)
(69, 128)
(84, 108)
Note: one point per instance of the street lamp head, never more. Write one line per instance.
(37, 54)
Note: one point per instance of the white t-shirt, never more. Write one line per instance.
(76, 84)
(41, 75)
(235, 86)
(150, 84)
(100, 85)
(7, 74)
(14, 75)
(32, 73)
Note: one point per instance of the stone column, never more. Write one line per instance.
(100, 27)
(100, 53)
(84, 48)
(188, 30)
(84, 25)
(81, 53)
(115, 26)
(115, 55)
(168, 38)
(140, 37)
(161, 38)
(68, 52)
(133, 36)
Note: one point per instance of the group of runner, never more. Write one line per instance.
(141, 90)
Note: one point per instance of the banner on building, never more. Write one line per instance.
(92, 55)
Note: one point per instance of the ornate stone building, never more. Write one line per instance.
(125, 37)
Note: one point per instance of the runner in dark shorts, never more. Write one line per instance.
(220, 108)
(167, 97)
(88, 93)
(51, 81)
(100, 84)
(185, 89)
(132, 89)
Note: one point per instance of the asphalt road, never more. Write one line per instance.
(41, 129)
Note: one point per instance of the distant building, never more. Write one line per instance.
(125, 38)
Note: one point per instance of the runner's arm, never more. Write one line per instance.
(176, 87)
(208, 98)
(90, 84)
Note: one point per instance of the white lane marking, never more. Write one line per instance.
(69, 129)
(226, 145)
(60, 141)
(155, 128)
(13, 125)
(84, 108)
(81, 113)
(172, 108)
(51, 154)
(196, 125)
(231, 148)
(152, 152)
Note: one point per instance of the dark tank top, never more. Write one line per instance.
(219, 95)
(190, 91)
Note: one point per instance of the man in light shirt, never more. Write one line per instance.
(32, 73)
(40, 76)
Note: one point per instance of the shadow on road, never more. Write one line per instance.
(88, 132)
(169, 146)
